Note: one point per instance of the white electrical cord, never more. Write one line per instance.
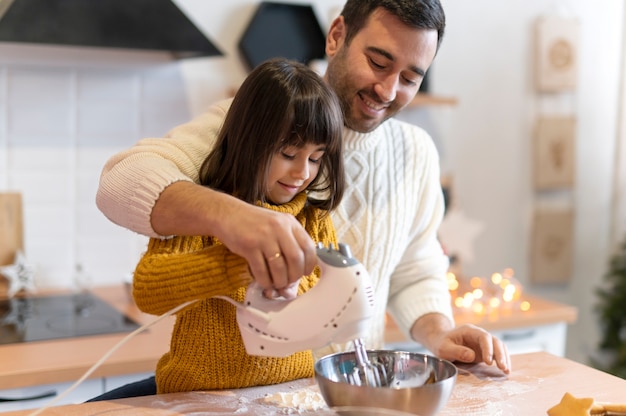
(108, 354)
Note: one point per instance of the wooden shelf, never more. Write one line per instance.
(420, 100)
(423, 100)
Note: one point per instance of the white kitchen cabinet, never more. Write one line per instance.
(548, 338)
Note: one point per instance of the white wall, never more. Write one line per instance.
(62, 114)
(225, 24)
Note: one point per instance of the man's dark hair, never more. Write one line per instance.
(423, 14)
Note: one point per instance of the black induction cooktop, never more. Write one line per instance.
(25, 319)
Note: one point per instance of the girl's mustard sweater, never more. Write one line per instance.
(206, 349)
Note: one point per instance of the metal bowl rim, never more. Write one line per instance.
(445, 362)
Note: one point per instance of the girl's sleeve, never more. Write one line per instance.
(174, 271)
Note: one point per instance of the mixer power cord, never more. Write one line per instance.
(108, 354)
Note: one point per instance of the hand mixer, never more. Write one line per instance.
(337, 309)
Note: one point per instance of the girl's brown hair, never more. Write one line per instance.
(281, 103)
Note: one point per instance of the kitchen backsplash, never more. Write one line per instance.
(59, 123)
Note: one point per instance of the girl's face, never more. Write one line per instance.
(291, 171)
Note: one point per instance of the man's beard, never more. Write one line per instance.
(339, 79)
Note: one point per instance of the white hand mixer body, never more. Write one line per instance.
(337, 309)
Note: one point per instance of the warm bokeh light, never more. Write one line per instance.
(478, 308)
(468, 300)
(496, 278)
(476, 282)
(482, 296)
(453, 283)
(494, 303)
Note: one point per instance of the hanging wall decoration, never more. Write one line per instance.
(556, 73)
(556, 52)
(552, 246)
(554, 153)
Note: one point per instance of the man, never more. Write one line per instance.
(378, 53)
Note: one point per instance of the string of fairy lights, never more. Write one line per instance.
(482, 295)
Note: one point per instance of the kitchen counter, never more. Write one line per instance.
(66, 360)
(45, 362)
(542, 312)
(537, 383)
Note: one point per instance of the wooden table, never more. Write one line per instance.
(538, 382)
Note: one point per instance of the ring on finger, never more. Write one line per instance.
(274, 256)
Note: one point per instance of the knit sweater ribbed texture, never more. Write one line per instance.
(390, 213)
(206, 349)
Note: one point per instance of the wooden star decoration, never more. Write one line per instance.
(572, 406)
(458, 233)
(20, 274)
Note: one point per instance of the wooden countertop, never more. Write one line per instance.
(537, 383)
(66, 360)
(542, 312)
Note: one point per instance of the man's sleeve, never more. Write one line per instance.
(132, 180)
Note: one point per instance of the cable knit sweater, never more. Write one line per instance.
(389, 215)
(206, 350)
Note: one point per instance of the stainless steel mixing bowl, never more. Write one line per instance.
(405, 390)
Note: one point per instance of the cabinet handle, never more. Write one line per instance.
(35, 397)
(516, 336)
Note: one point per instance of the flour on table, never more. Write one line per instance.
(302, 400)
(488, 397)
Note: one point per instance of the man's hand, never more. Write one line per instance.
(465, 343)
(277, 248)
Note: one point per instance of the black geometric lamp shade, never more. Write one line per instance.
(283, 30)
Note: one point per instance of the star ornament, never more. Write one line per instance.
(572, 406)
(21, 275)
(458, 233)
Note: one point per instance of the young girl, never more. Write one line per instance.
(280, 144)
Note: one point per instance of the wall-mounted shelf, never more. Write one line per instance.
(420, 100)
(423, 100)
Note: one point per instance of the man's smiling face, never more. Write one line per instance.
(380, 71)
